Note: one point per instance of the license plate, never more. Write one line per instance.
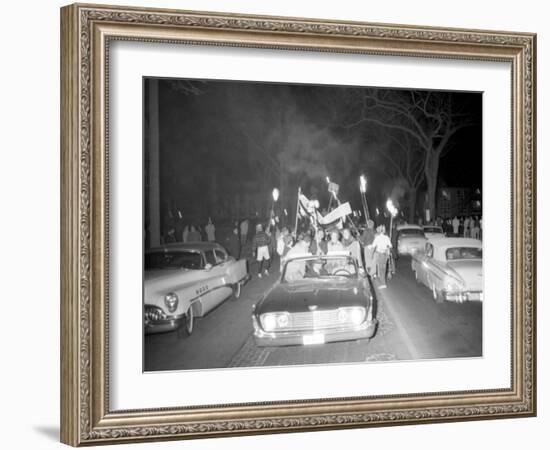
(313, 339)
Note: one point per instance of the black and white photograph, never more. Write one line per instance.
(296, 224)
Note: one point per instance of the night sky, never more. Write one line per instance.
(238, 135)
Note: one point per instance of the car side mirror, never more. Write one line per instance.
(208, 267)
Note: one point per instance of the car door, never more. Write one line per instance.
(418, 264)
(217, 287)
(235, 271)
(428, 265)
(436, 269)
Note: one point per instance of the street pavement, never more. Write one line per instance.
(410, 326)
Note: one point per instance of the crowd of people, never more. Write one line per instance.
(179, 232)
(371, 248)
(464, 226)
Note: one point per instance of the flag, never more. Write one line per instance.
(307, 210)
(338, 213)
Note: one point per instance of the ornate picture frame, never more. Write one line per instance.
(86, 34)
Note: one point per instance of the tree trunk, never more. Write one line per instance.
(431, 171)
(411, 200)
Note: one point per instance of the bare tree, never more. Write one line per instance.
(429, 120)
(403, 160)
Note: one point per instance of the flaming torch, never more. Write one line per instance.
(363, 189)
(393, 212)
(275, 196)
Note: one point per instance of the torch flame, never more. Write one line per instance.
(391, 208)
(328, 180)
(275, 194)
(363, 183)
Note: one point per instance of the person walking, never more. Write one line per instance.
(382, 247)
(352, 246)
(284, 244)
(466, 232)
(367, 238)
(455, 224)
(244, 231)
(260, 247)
(194, 234)
(475, 230)
(210, 231)
(185, 233)
(234, 244)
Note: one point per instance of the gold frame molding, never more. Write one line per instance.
(86, 31)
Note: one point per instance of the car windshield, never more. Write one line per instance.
(322, 267)
(433, 230)
(463, 253)
(411, 232)
(173, 260)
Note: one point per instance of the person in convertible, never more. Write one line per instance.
(296, 270)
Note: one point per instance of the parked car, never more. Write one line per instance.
(184, 281)
(317, 299)
(452, 268)
(433, 231)
(409, 239)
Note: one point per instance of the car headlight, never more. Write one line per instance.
(342, 315)
(282, 320)
(171, 301)
(353, 315)
(271, 321)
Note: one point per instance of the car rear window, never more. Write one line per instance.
(463, 253)
(173, 260)
(411, 232)
(433, 230)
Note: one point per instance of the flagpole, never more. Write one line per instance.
(297, 211)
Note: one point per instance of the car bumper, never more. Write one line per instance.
(461, 297)
(408, 250)
(283, 338)
(162, 324)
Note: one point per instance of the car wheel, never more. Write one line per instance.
(186, 327)
(237, 290)
(437, 295)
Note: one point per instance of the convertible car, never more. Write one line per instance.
(318, 299)
(452, 268)
(183, 281)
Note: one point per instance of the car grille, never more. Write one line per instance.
(314, 320)
(153, 313)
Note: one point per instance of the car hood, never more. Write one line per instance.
(321, 295)
(161, 281)
(470, 271)
(158, 274)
